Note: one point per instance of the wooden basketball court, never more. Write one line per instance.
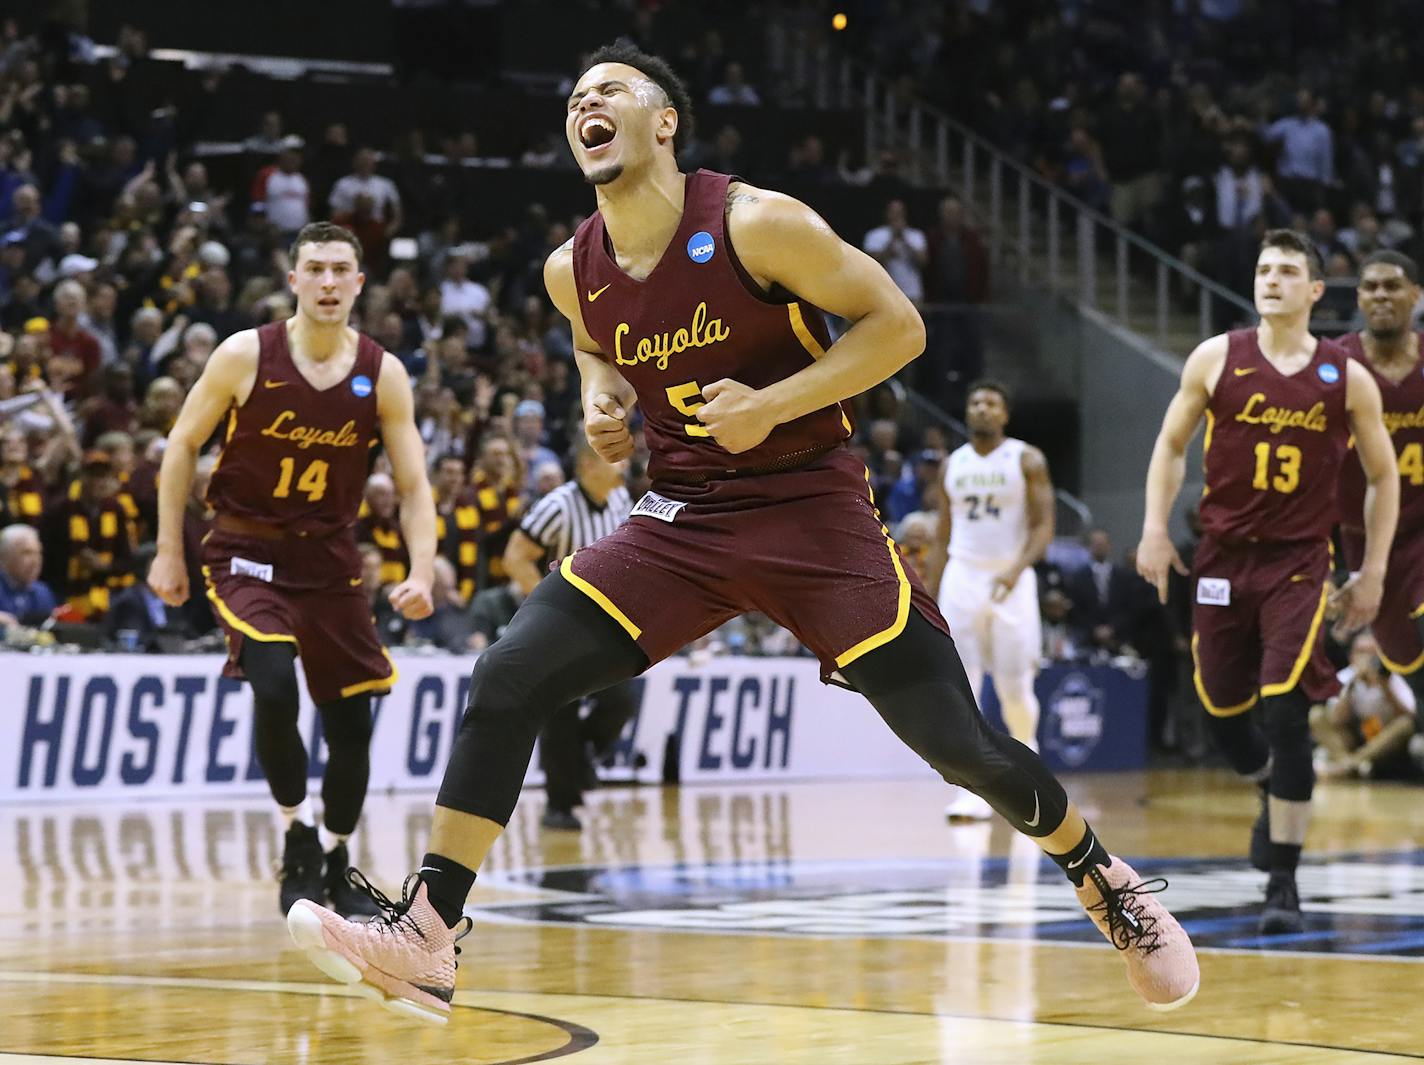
(786, 924)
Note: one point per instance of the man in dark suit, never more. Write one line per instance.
(1102, 596)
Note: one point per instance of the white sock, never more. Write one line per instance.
(329, 839)
(302, 812)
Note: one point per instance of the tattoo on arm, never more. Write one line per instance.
(734, 198)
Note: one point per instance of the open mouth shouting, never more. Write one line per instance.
(596, 133)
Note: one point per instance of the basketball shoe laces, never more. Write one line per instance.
(394, 914)
(1129, 926)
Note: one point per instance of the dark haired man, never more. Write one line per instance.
(304, 401)
(995, 522)
(1281, 407)
(1389, 347)
(696, 296)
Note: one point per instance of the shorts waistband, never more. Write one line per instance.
(258, 530)
(794, 461)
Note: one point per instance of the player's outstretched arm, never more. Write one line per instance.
(782, 242)
(395, 407)
(1360, 595)
(607, 398)
(226, 380)
(1168, 468)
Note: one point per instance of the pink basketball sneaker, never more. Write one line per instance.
(1161, 963)
(404, 958)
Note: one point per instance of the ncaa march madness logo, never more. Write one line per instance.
(1073, 726)
(1362, 905)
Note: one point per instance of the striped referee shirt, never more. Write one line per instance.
(567, 519)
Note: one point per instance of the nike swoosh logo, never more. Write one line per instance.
(427, 869)
(594, 295)
(1300, 577)
(275, 384)
(1242, 373)
(1034, 822)
(355, 581)
(1091, 840)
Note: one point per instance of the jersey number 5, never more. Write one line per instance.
(312, 480)
(1287, 477)
(678, 396)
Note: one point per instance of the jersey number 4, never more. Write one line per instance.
(312, 480)
(991, 510)
(1287, 475)
(1411, 464)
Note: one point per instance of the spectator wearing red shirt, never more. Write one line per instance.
(75, 351)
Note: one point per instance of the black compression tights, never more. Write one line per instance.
(271, 670)
(346, 723)
(917, 684)
(561, 646)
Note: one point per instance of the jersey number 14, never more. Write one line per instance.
(312, 481)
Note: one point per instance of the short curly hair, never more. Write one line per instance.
(657, 70)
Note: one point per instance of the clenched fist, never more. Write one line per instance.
(735, 415)
(606, 427)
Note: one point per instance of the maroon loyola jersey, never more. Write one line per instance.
(698, 318)
(297, 456)
(1274, 445)
(1404, 418)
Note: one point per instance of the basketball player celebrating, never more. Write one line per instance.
(1388, 293)
(1280, 408)
(305, 400)
(694, 296)
(995, 522)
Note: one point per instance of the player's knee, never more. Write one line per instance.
(272, 672)
(498, 686)
(1285, 719)
(1015, 687)
(347, 723)
(275, 689)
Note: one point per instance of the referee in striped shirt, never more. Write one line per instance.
(570, 517)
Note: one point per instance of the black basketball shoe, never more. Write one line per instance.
(300, 875)
(345, 899)
(1281, 914)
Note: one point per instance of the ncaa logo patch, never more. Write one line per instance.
(700, 247)
(361, 385)
(1329, 373)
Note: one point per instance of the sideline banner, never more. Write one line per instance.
(92, 726)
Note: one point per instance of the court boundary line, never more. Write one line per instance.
(337, 990)
(580, 1036)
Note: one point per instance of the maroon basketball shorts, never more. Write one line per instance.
(805, 547)
(1403, 600)
(1258, 622)
(305, 594)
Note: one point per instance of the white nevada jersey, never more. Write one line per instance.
(986, 493)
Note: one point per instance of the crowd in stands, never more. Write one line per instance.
(123, 264)
(1199, 123)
